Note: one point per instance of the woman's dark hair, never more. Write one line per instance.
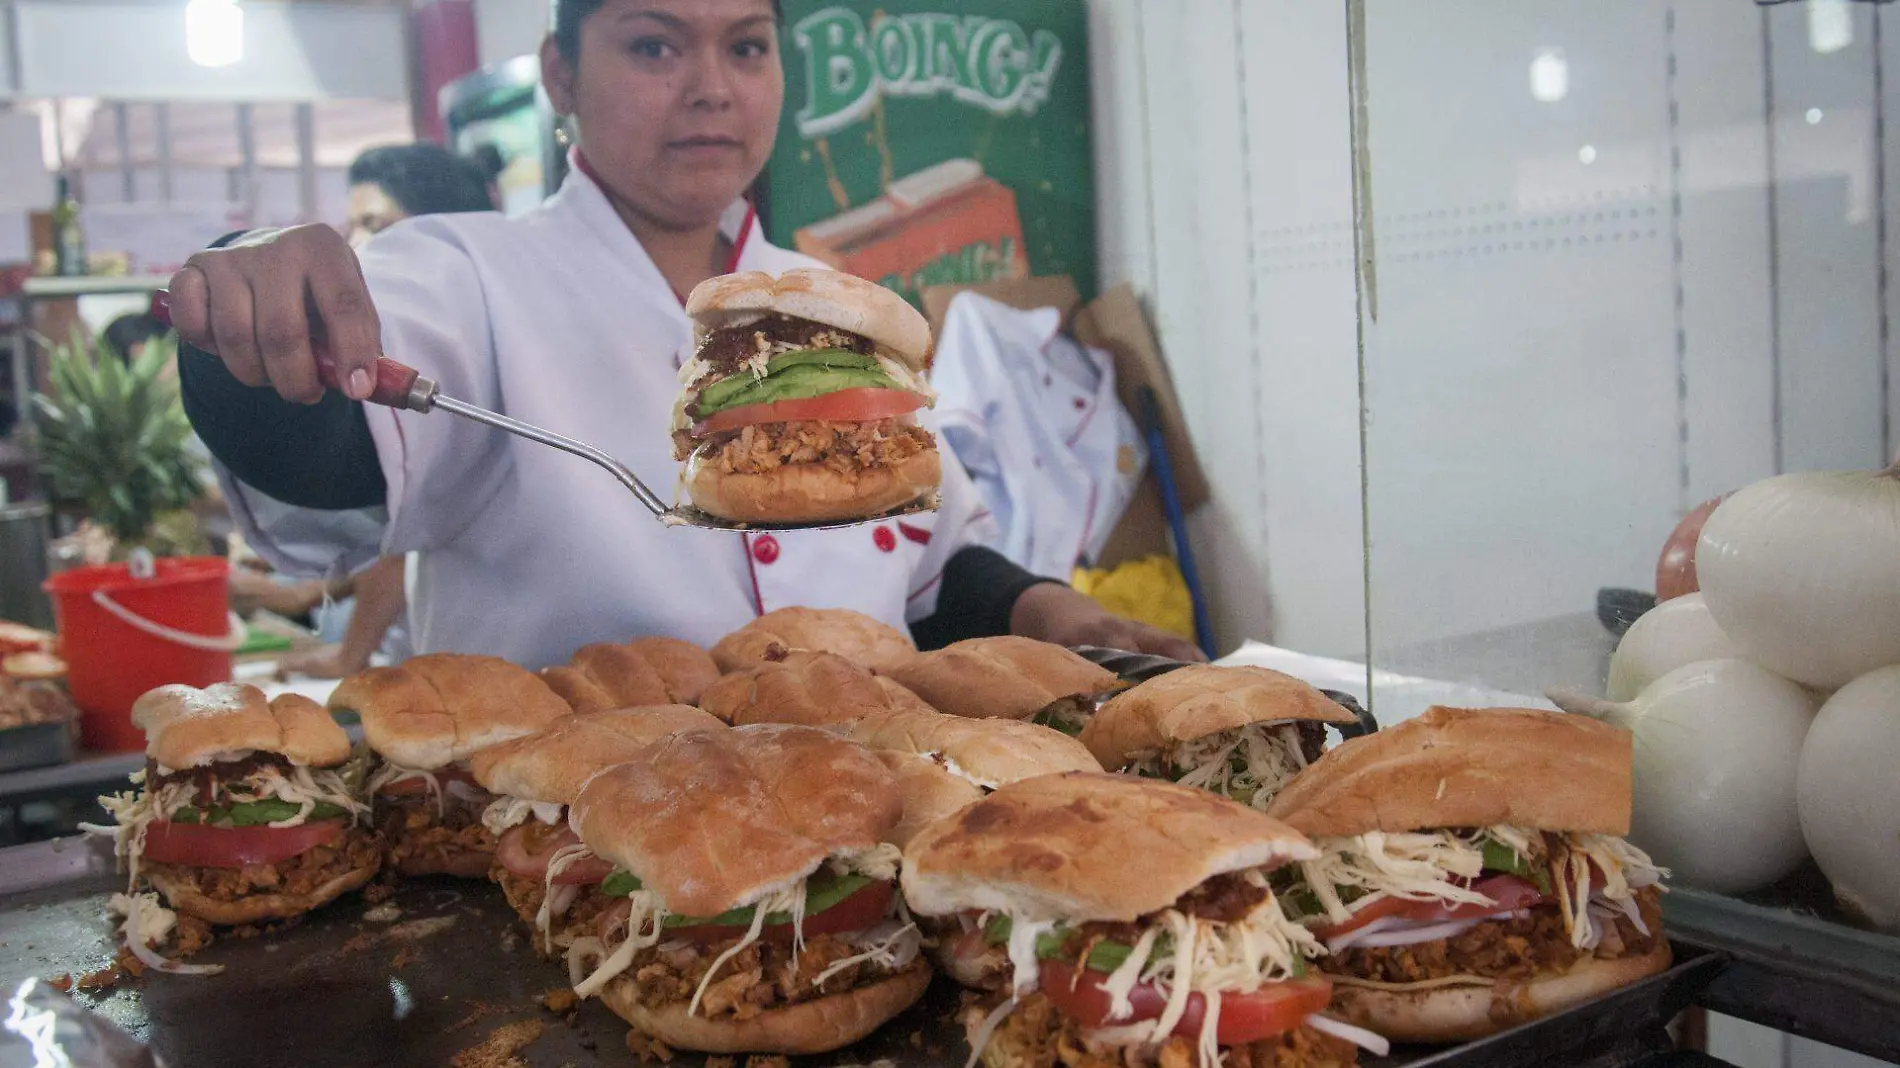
(132, 329)
(569, 14)
(426, 179)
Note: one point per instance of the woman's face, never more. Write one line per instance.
(371, 212)
(675, 102)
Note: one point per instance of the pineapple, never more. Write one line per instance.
(113, 439)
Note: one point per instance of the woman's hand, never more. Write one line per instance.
(273, 303)
(1056, 613)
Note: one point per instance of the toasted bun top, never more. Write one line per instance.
(810, 688)
(829, 297)
(853, 635)
(714, 820)
(989, 752)
(1194, 702)
(552, 763)
(1468, 767)
(433, 710)
(188, 728)
(1088, 846)
(1010, 677)
(645, 671)
(930, 793)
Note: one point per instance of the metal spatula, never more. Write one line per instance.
(403, 387)
(398, 386)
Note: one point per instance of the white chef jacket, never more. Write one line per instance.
(559, 318)
(1035, 418)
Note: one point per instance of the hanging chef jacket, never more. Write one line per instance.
(1035, 419)
(560, 318)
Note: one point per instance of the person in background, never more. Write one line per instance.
(388, 185)
(397, 182)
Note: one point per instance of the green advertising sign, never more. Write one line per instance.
(931, 142)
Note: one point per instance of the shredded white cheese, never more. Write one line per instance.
(889, 946)
(505, 812)
(389, 774)
(643, 930)
(1250, 763)
(134, 811)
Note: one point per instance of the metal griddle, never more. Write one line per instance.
(455, 966)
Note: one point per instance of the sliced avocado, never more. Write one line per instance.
(794, 383)
(821, 892)
(721, 394)
(620, 884)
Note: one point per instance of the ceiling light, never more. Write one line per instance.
(214, 32)
(1814, 116)
(1550, 76)
(1830, 25)
(1587, 155)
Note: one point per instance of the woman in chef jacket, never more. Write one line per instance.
(570, 317)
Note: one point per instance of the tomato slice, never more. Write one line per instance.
(855, 913)
(1510, 892)
(862, 405)
(418, 786)
(526, 849)
(1274, 1009)
(200, 846)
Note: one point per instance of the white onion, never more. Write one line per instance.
(1850, 806)
(1802, 572)
(1717, 745)
(1369, 1041)
(1676, 632)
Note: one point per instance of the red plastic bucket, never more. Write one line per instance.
(122, 635)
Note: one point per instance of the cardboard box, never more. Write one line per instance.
(1115, 323)
(947, 224)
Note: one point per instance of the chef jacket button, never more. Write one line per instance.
(765, 549)
(886, 541)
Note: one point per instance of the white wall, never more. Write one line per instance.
(505, 29)
(129, 50)
(1568, 355)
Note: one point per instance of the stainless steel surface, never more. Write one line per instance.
(1797, 963)
(36, 745)
(25, 530)
(1525, 658)
(453, 968)
(88, 776)
(424, 397)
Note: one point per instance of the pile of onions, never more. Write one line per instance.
(1674, 633)
(1849, 801)
(1802, 572)
(1675, 569)
(1717, 745)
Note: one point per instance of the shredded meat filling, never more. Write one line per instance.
(419, 840)
(298, 876)
(763, 976)
(208, 777)
(1038, 1035)
(846, 448)
(726, 351)
(1222, 899)
(525, 893)
(1503, 949)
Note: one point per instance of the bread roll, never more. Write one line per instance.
(1007, 677)
(1468, 767)
(814, 689)
(189, 728)
(1060, 847)
(853, 635)
(642, 673)
(1196, 701)
(713, 820)
(434, 710)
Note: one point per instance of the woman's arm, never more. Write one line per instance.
(984, 594)
(380, 600)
